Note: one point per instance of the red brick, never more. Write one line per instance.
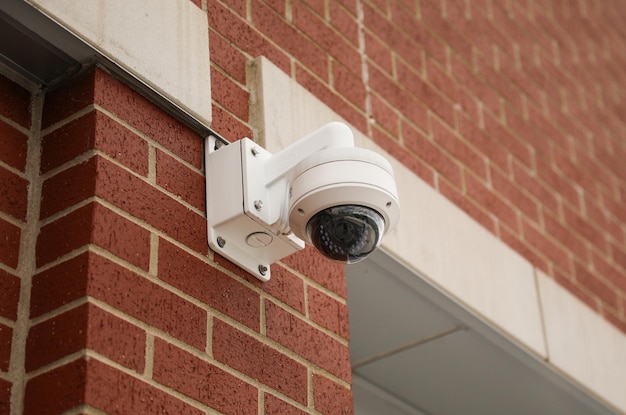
(596, 285)
(96, 224)
(450, 88)
(246, 354)
(535, 187)
(144, 300)
(395, 150)
(9, 243)
(68, 187)
(13, 146)
(432, 154)
(227, 57)
(480, 215)
(351, 114)
(308, 341)
(349, 85)
(545, 245)
(180, 180)
(432, 99)
(609, 272)
(6, 338)
(209, 285)
(92, 275)
(239, 33)
(379, 53)
(385, 116)
(85, 327)
(563, 233)
(276, 406)
(228, 126)
(512, 192)
(56, 391)
(329, 274)
(140, 199)
(433, 19)
(399, 98)
(115, 392)
(582, 226)
(286, 287)
(331, 398)
(345, 22)
(494, 147)
(458, 148)
(68, 99)
(230, 95)
(291, 40)
(9, 295)
(59, 285)
(184, 372)
(5, 397)
(95, 131)
(325, 37)
(328, 312)
(560, 185)
(146, 117)
(14, 102)
(492, 202)
(14, 190)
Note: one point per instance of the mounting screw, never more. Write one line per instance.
(258, 204)
(263, 270)
(255, 151)
(221, 242)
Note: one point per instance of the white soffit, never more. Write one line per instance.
(439, 241)
(163, 43)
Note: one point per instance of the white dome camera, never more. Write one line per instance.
(320, 190)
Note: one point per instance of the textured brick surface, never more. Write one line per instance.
(14, 192)
(95, 130)
(9, 295)
(115, 392)
(14, 102)
(184, 372)
(13, 146)
(209, 285)
(5, 397)
(275, 406)
(259, 361)
(85, 327)
(331, 398)
(309, 342)
(56, 391)
(9, 244)
(96, 224)
(6, 337)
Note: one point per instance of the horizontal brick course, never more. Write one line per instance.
(246, 354)
(183, 372)
(330, 397)
(85, 327)
(9, 295)
(13, 146)
(308, 341)
(6, 338)
(209, 285)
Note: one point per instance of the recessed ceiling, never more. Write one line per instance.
(415, 351)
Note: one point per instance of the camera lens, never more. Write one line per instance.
(346, 233)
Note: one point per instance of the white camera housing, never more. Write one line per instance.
(320, 190)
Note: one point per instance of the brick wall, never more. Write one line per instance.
(109, 296)
(122, 307)
(512, 110)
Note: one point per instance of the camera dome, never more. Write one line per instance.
(346, 233)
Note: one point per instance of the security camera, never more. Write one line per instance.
(320, 190)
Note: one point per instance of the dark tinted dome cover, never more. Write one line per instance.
(347, 233)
